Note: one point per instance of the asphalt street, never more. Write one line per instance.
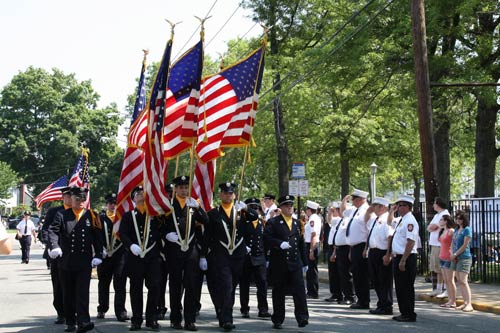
(26, 306)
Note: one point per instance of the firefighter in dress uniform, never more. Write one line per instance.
(182, 254)
(113, 265)
(74, 236)
(141, 236)
(287, 262)
(224, 238)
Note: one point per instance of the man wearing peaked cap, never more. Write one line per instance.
(113, 265)
(268, 205)
(356, 236)
(312, 232)
(287, 261)
(376, 247)
(25, 231)
(57, 290)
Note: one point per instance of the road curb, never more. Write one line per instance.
(483, 307)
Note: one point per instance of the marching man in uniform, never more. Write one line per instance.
(283, 236)
(74, 236)
(113, 265)
(141, 237)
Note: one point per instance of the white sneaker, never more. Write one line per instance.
(444, 294)
(433, 293)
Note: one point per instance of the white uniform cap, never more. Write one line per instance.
(406, 198)
(359, 193)
(334, 204)
(312, 205)
(381, 201)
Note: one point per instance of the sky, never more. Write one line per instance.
(102, 40)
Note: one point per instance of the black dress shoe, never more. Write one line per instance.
(161, 314)
(264, 314)
(312, 297)
(100, 315)
(123, 316)
(332, 299)
(245, 314)
(70, 328)
(154, 325)
(358, 306)
(277, 326)
(59, 320)
(190, 327)
(303, 323)
(403, 318)
(135, 327)
(346, 302)
(228, 326)
(176, 326)
(85, 327)
(380, 311)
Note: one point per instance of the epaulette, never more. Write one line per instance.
(96, 219)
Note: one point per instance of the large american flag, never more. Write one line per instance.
(182, 99)
(203, 183)
(132, 167)
(52, 192)
(227, 106)
(80, 176)
(155, 163)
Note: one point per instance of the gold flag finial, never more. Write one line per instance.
(172, 26)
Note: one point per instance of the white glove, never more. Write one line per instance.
(285, 246)
(55, 253)
(135, 249)
(96, 262)
(240, 205)
(267, 264)
(203, 264)
(304, 269)
(191, 202)
(249, 249)
(172, 237)
(104, 253)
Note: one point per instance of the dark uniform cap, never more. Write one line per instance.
(66, 190)
(169, 188)
(110, 198)
(79, 192)
(27, 212)
(181, 180)
(286, 199)
(253, 202)
(135, 190)
(269, 196)
(227, 187)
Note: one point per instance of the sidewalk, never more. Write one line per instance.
(485, 297)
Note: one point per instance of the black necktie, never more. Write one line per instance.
(350, 222)
(336, 230)
(370, 234)
(395, 229)
(26, 227)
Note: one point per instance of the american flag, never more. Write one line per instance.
(80, 176)
(182, 100)
(132, 167)
(227, 106)
(155, 171)
(203, 183)
(52, 192)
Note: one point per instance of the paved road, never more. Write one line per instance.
(25, 306)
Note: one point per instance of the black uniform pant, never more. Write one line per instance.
(227, 275)
(344, 271)
(333, 276)
(360, 274)
(162, 308)
(259, 275)
(25, 243)
(405, 285)
(292, 281)
(312, 276)
(381, 276)
(76, 290)
(112, 268)
(144, 271)
(184, 276)
(57, 287)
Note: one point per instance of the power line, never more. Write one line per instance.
(222, 27)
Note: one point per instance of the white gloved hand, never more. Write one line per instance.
(239, 205)
(104, 253)
(55, 253)
(172, 237)
(191, 202)
(135, 249)
(285, 246)
(203, 264)
(304, 269)
(96, 262)
(248, 249)
(267, 264)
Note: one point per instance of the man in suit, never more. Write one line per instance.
(74, 236)
(287, 262)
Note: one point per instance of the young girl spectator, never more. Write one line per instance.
(447, 226)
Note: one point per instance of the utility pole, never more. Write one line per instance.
(422, 83)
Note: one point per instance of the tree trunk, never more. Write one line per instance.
(442, 139)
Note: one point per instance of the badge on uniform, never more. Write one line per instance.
(410, 227)
(87, 222)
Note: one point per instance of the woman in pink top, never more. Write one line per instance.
(447, 225)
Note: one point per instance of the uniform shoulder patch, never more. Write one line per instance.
(410, 227)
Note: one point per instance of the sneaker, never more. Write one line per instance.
(433, 293)
(444, 294)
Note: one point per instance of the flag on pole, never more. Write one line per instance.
(132, 167)
(52, 192)
(182, 100)
(80, 176)
(203, 183)
(155, 171)
(227, 106)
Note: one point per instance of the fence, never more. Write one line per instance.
(484, 217)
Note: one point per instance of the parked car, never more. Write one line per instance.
(13, 222)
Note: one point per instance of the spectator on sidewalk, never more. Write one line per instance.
(447, 226)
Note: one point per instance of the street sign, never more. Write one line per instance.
(293, 187)
(298, 187)
(298, 170)
(304, 188)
